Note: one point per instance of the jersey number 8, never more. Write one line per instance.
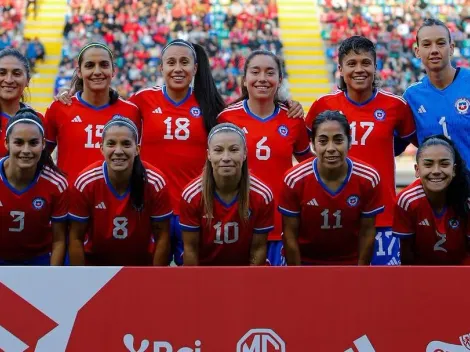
(120, 227)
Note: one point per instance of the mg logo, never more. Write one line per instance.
(261, 340)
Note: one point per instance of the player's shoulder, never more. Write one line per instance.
(54, 178)
(155, 90)
(391, 99)
(260, 190)
(231, 110)
(57, 106)
(192, 192)
(415, 88)
(155, 177)
(90, 175)
(126, 104)
(365, 172)
(411, 195)
(299, 172)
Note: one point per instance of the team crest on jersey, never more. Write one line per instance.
(195, 111)
(283, 130)
(454, 223)
(38, 203)
(352, 200)
(462, 105)
(379, 114)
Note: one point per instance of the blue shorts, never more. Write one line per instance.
(386, 248)
(275, 254)
(42, 260)
(176, 240)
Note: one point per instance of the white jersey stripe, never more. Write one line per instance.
(367, 169)
(263, 194)
(86, 174)
(388, 94)
(156, 184)
(197, 182)
(257, 181)
(411, 191)
(402, 201)
(418, 196)
(127, 102)
(59, 186)
(78, 183)
(156, 177)
(366, 176)
(56, 176)
(190, 195)
(296, 172)
(153, 89)
(301, 176)
(84, 184)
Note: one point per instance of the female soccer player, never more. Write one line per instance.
(374, 116)
(272, 137)
(77, 129)
(33, 196)
(441, 100)
(431, 214)
(227, 213)
(120, 205)
(329, 202)
(15, 75)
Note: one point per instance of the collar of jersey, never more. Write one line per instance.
(5, 115)
(10, 187)
(374, 94)
(110, 185)
(442, 91)
(248, 111)
(165, 94)
(226, 205)
(325, 187)
(80, 99)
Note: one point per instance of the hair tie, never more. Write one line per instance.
(117, 119)
(99, 45)
(232, 128)
(26, 120)
(181, 42)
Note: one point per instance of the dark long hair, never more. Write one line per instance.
(31, 115)
(77, 83)
(358, 44)
(331, 115)
(458, 192)
(139, 173)
(24, 61)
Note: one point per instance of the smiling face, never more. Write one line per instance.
(226, 154)
(331, 144)
(262, 78)
(119, 148)
(178, 67)
(435, 168)
(96, 69)
(13, 78)
(25, 144)
(434, 47)
(358, 71)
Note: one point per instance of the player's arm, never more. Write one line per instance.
(58, 242)
(295, 109)
(258, 249)
(366, 240)
(191, 248)
(161, 233)
(290, 228)
(406, 250)
(76, 240)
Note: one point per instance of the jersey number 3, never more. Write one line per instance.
(18, 218)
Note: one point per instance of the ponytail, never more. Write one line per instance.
(138, 182)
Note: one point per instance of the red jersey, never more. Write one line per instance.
(439, 239)
(330, 221)
(226, 239)
(77, 130)
(117, 233)
(175, 139)
(373, 124)
(271, 142)
(25, 216)
(4, 118)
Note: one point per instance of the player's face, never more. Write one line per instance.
(119, 148)
(178, 67)
(13, 78)
(358, 71)
(435, 168)
(226, 153)
(25, 144)
(331, 144)
(262, 78)
(96, 69)
(434, 47)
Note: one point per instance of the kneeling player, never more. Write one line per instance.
(227, 213)
(329, 202)
(431, 214)
(120, 205)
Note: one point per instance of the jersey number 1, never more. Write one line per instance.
(181, 132)
(91, 130)
(230, 233)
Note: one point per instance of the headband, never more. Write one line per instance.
(181, 43)
(26, 120)
(129, 124)
(227, 128)
(99, 45)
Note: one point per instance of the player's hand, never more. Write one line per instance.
(64, 96)
(295, 109)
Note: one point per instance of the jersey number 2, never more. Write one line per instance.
(442, 239)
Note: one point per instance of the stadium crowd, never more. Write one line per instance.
(137, 31)
(392, 26)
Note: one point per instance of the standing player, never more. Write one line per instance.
(374, 116)
(272, 137)
(227, 213)
(119, 204)
(15, 75)
(77, 129)
(441, 100)
(329, 202)
(431, 214)
(33, 196)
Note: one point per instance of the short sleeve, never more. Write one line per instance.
(50, 124)
(302, 143)
(372, 202)
(78, 207)
(60, 206)
(406, 124)
(402, 222)
(161, 204)
(314, 110)
(289, 203)
(190, 219)
(264, 220)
